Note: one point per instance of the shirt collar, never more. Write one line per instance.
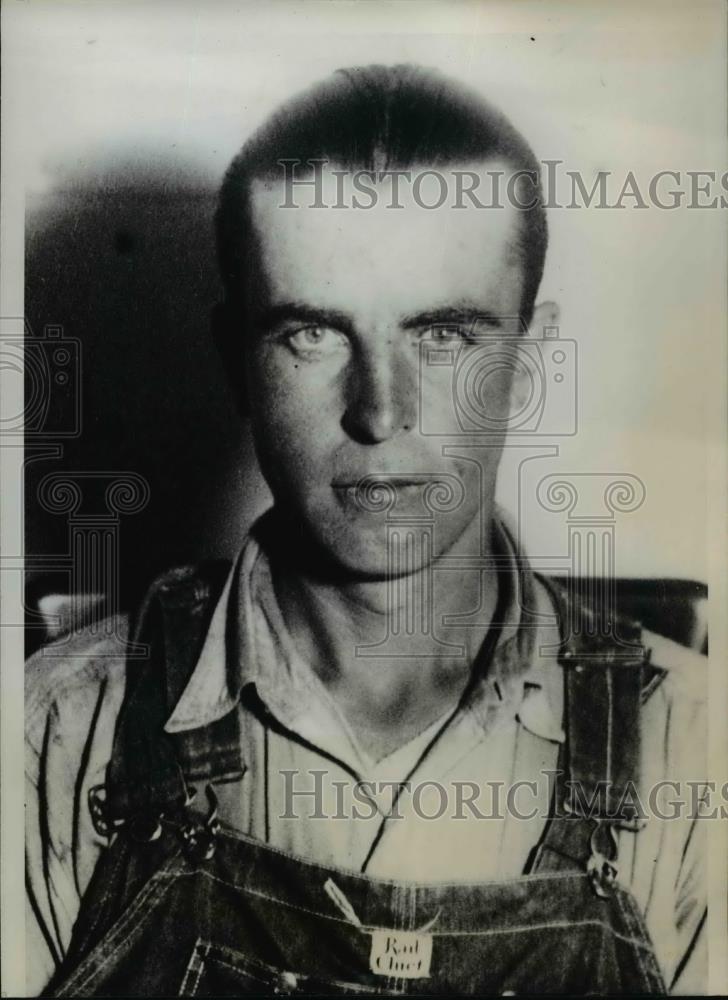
(247, 643)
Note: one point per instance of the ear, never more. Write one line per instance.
(546, 315)
(228, 339)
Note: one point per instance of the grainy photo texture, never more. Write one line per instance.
(364, 477)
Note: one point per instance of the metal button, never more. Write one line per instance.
(287, 982)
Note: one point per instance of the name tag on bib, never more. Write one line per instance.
(406, 954)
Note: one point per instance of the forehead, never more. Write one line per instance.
(382, 257)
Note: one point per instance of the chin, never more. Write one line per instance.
(378, 554)
(343, 545)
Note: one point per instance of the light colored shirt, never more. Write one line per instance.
(478, 787)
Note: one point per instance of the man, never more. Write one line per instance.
(289, 793)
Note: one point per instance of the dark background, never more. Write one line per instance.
(125, 262)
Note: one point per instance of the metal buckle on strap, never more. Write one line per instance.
(199, 838)
(142, 828)
(602, 867)
(97, 807)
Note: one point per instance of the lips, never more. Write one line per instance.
(378, 494)
(371, 482)
(374, 479)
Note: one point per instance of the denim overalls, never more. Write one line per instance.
(180, 904)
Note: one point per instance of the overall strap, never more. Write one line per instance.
(607, 674)
(148, 767)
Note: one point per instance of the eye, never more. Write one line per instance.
(448, 333)
(316, 340)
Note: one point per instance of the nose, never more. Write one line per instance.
(381, 399)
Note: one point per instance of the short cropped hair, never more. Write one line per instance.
(377, 118)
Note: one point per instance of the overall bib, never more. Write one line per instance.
(181, 904)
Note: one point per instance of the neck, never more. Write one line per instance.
(392, 626)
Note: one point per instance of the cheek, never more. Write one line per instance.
(477, 387)
(478, 472)
(271, 388)
(292, 408)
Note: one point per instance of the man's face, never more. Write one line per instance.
(347, 299)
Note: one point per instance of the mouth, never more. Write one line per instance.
(378, 481)
(377, 492)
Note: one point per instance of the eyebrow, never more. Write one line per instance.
(273, 315)
(466, 312)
